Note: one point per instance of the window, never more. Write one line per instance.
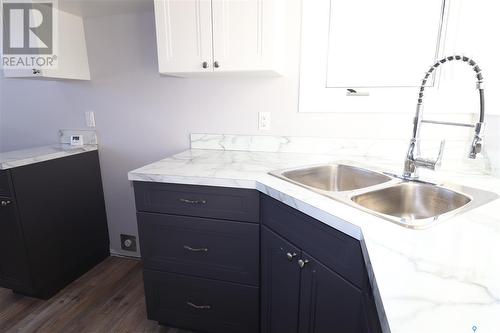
(378, 49)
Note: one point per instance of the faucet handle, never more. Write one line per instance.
(429, 163)
(439, 158)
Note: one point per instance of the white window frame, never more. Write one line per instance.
(315, 96)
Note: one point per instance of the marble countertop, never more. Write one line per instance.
(17, 158)
(442, 279)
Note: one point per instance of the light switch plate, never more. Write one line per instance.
(89, 118)
(264, 121)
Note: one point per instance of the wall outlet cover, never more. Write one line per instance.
(128, 242)
(264, 121)
(89, 119)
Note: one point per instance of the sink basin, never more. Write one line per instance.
(334, 177)
(410, 202)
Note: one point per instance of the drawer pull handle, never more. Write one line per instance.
(193, 202)
(193, 249)
(199, 307)
(4, 203)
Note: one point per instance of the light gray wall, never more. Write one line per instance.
(142, 117)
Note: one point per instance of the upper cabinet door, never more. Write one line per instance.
(66, 58)
(245, 35)
(184, 35)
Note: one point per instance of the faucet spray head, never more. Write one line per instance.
(476, 147)
(477, 141)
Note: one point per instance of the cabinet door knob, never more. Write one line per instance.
(302, 263)
(4, 203)
(290, 256)
(204, 64)
(216, 64)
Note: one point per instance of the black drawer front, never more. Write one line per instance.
(203, 201)
(333, 248)
(4, 184)
(201, 305)
(209, 248)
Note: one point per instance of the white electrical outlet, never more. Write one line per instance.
(264, 121)
(89, 118)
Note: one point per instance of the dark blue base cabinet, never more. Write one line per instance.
(220, 260)
(52, 224)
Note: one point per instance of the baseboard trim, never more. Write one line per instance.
(113, 253)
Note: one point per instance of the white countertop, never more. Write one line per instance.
(442, 279)
(17, 158)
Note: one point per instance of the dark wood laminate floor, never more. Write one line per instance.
(109, 298)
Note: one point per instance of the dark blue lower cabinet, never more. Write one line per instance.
(299, 294)
(280, 285)
(203, 270)
(52, 224)
(201, 252)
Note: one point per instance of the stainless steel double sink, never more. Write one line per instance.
(412, 204)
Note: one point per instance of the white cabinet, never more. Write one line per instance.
(184, 35)
(72, 61)
(197, 37)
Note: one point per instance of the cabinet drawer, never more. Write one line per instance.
(203, 201)
(333, 248)
(5, 184)
(209, 248)
(201, 305)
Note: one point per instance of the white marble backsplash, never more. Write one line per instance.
(393, 150)
(293, 144)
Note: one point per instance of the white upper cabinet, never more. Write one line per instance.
(73, 62)
(197, 37)
(184, 35)
(71, 51)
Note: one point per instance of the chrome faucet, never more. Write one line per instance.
(413, 160)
